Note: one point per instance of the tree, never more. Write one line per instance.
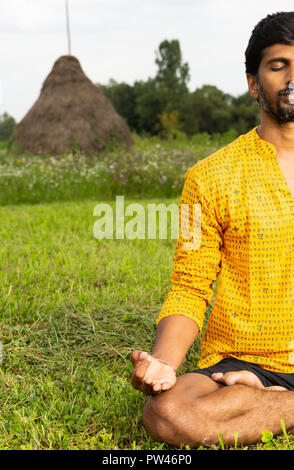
(7, 125)
(173, 75)
(123, 98)
(206, 110)
(150, 103)
(245, 113)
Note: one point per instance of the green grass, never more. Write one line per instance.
(72, 310)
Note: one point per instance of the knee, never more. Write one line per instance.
(168, 420)
(158, 414)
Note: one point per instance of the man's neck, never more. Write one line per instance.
(281, 136)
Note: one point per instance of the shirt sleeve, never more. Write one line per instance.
(194, 270)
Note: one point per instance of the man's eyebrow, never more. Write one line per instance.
(277, 59)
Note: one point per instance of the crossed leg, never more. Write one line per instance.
(244, 377)
(197, 408)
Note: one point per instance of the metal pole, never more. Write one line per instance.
(67, 27)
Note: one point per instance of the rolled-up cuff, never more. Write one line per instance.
(176, 304)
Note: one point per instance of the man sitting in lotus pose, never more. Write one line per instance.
(244, 382)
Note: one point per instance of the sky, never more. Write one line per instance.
(118, 39)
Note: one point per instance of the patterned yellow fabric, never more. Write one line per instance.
(247, 237)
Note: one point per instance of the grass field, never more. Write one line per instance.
(72, 310)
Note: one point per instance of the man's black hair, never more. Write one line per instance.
(277, 28)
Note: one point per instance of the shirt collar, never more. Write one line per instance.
(260, 146)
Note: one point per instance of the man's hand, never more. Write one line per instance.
(151, 376)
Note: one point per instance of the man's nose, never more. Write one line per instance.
(290, 78)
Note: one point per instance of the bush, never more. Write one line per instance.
(216, 140)
(7, 125)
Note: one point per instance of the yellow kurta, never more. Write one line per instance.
(247, 237)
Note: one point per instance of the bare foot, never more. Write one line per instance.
(244, 377)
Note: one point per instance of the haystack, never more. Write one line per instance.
(70, 110)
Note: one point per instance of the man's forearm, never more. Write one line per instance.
(175, 335)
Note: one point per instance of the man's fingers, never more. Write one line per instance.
(135, 356)
(148, 380)
(143, 355)
(137, 383)
(141, 368)
(165, 386)
(139, 374)
(157, 387)
(147, 384)
(161, 387)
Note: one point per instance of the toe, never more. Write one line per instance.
(276, 388)
(217, 376)
(232, 378)
(243, 377)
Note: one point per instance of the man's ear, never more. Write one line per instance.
(252, 85)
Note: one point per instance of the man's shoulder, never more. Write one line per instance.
(221, 162)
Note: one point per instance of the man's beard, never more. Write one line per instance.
(282, 114)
